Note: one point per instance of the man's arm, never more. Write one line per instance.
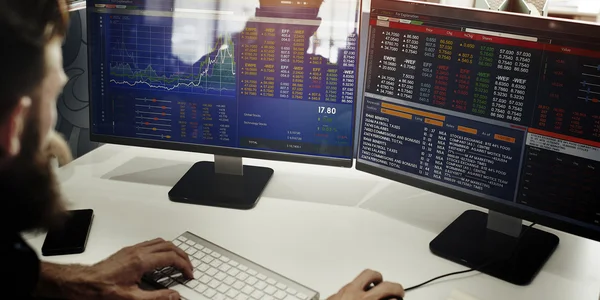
(66, 282)
(116, 277)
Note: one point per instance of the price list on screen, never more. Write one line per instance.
(275, 63)
(472, 155)
(485, 76)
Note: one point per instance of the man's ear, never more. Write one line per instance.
(12, 129)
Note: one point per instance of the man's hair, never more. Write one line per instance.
(26, 27)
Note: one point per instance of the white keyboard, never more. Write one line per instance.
(222, 275)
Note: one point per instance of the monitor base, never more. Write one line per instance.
(469, 242)
(201, 185)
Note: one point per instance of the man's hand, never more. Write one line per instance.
(117, 277)
(369, 285)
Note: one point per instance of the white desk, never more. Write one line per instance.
(318, 225)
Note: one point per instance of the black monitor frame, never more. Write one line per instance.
(227, 151)
(588, 32)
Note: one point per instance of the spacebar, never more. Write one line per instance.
(187, 293)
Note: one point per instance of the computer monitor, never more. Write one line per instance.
(268, 79)
(496, 109)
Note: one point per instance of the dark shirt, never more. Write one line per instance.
(24, 266)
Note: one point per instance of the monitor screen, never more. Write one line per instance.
(268, 75)
(474, 105)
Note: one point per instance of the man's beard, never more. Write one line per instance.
(29, 186)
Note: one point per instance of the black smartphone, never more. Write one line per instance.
(71, 237)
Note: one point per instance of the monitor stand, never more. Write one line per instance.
(224, 183)
(495, 244)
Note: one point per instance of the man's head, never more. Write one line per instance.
(32, 77)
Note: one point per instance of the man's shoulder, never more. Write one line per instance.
(23, 263)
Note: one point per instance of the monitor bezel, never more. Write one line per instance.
(220, 150)
(585, 29)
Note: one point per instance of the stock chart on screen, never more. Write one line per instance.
(278, 76)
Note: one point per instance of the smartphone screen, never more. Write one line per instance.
(72, 237)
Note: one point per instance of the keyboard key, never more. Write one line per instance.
(207, 251)
(181, 238)
(190, 242)
(224, 258)
(223, 288)
(229, 281)
(232, 293)
(281, 286)
(176, 242)
(203, 267)
(201, 288)
(219, 297)
(198, 246)
(261, 276)
(220, 276)
(212, 272)
(224, 267)
(233, 263)
(205, 279)
(242, 267)
(209, 293)
(301, 296)
(280, 295)
(216, 263)
(247, 290)
(291, 291)
(183, 247)
(270, 290)
(196, 263)
(257, 295)
(267, 297)
(207, 259)
(271, 281)
(199, 255)
(238, 285)
(252, 272)
(251, 280)
(242, 276)
(233, 271)
(215, 255)
(190, 251)
(241, 296)
(192, 283)
(260, 285)
(214, 283)
(197, 274)
(290, 297)
(164, 280)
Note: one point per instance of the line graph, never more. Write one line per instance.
(141, 58)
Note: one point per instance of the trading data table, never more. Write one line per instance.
(507, 117)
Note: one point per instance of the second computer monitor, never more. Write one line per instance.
(499, 110)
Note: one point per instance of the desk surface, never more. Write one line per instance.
(318, 225)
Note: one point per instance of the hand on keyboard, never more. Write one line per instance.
(118, 276)
(369, 285)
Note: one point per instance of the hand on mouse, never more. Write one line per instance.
(369, 285)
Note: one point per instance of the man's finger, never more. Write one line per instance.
(149, 243)
(385, 290)
(152, 261)
(163, 294)
(366, 278)
(166, 247)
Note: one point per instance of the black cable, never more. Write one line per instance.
(466, 271)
